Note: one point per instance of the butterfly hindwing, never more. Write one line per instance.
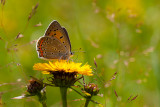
(51, 48)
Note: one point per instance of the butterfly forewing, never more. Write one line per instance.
(55, 30)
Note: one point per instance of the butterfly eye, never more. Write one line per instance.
(63, 42)
(55, 30)
(59, 51)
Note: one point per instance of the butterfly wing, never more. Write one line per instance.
(51, 48)
(55, 30)
(66, 33)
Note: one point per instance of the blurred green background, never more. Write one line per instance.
(122, 36)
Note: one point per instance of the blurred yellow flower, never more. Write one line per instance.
(63, 66)
(132, 4)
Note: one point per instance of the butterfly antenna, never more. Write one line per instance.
(78, 50)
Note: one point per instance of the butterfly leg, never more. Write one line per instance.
(60, 58)
(68, 59)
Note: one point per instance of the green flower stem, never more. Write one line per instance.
(63, 91)
(42, 99)
(44, 104)
(87, 101)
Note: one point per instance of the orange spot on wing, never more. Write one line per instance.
(52, 33)
(58, 35)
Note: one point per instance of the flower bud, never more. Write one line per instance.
(35, 86)
(91, 88)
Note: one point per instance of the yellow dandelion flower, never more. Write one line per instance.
(63, 66)
(64, 73)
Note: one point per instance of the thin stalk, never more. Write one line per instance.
(44, 104)
(63, 91)
(42, 99)
(87, 102)
(77, 92)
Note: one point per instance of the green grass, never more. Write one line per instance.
(126, 34)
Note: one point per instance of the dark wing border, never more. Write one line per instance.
(65, 31)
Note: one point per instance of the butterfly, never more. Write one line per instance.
(55, 44)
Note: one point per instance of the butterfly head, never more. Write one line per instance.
(71, 54)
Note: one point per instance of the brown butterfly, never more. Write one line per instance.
(55, 43)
